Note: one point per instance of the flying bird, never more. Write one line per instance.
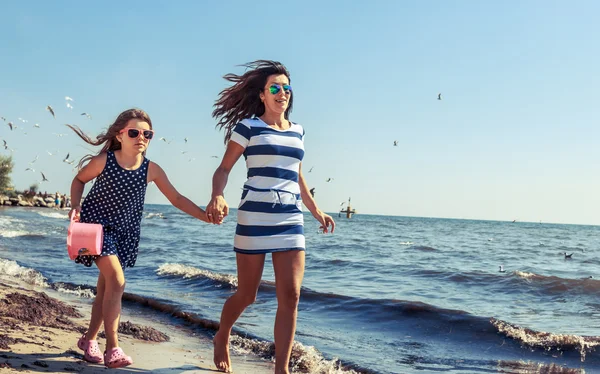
(89, 116)
(35, 159)
(66, 159)
(214, 156)
(312, 192)
(67, 98)
(22, 120)
(4, 119)
(395, 143)
(69, 105)
(36, 125)
(44, 179)
(30, 169)
(49, 108)
(310, 169)
(10, 124)
(185, 140)
(5, 145)
(328, 179)
(439, 96)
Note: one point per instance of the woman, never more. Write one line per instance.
(255, 114)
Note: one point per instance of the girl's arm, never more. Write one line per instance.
(217, 208)
(90, 171)
(324, 219)
(157, 175)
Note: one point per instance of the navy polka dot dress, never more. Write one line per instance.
(116, 201)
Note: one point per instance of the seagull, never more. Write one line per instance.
(34, 160)
(395, 143)
(342, 203)
(312, 192)
(30, 169)
(10, 124)
(50, 153)
(36, 125)
(501, 270)
(22, 120)
(89, 116)
(328, 179)
(67, 98)
(44, 179)
(5, 145)
(568, 256)
(185, 140)
(49, 108)
(4, 119)
(310, 169)
(191, 159)
(439, 96)
(69, 105)
(66, 159)
(214, 156)
(164, 140)
(59, 135)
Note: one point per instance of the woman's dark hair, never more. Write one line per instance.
(242, 100)
(109, 138)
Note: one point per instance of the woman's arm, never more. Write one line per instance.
(311, 204)
(90, 171)
(217, 208)
(157, 175)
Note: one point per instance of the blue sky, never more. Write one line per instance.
(515, 136)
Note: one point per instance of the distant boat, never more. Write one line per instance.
(348, 211)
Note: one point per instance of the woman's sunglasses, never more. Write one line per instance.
(275, 88)
(134, 133)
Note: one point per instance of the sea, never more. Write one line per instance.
(383, 294)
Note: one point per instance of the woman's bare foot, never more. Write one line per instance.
(221, 353)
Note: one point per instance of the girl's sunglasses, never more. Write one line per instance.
(275, 88)
(134, 133)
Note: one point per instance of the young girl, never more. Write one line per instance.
(116, 201)
(255, 114)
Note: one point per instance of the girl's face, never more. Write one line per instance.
(276, 94)
(139, 130)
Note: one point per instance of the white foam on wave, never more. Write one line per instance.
(525, 275)
(53, 214)
(186, 271)
(12, 269)
(304, 359)
(13, 233)
(80, 292)
(12, 227)
(546, 340)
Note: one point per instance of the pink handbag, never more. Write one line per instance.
(84, 239)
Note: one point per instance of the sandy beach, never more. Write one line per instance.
(39, 332)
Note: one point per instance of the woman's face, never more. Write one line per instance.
(276, 94)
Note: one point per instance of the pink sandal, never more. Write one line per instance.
(116, 358)
(91, 350)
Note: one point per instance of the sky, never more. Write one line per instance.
(513, 138)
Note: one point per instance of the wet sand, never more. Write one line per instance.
(39, 332)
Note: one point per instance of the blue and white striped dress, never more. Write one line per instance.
(270, 216)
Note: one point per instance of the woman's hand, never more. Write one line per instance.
(74, 212)
(217, 209)
(325, 220)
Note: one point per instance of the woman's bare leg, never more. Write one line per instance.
(114, 281)
(289, 272)
(249, 273)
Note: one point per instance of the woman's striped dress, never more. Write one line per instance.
(270, 211)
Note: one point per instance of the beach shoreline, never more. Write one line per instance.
(29, 344)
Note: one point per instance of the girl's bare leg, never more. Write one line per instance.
(114, 281)
(97, 317)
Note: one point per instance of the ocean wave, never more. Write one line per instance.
(16, 233)
(75, 289)
(304, 359)
(545, 340)
(57, 215)
(554, 284)
(155, 215)
(188, 272)
(14, 270)
(422, 248)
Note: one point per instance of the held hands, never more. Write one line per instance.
(216, 210)
(325, 220)
(74, 213)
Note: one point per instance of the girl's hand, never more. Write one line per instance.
(217, 209)
(325, 220)
(74, 212)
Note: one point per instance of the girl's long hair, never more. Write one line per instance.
(109, 138)
(242, 100)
